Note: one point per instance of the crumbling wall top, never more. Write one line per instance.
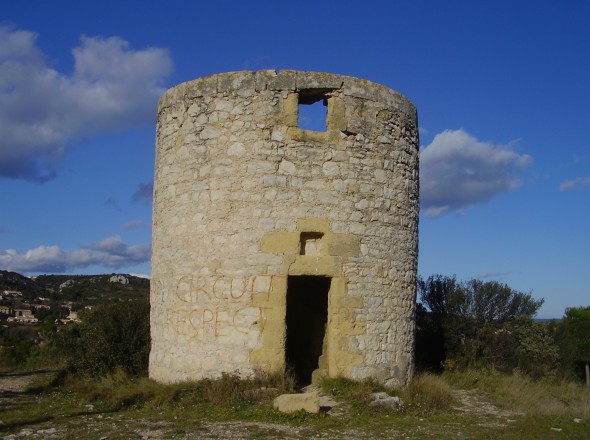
(248, 82)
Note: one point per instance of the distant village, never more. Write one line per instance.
(14, 309)
(20, 309)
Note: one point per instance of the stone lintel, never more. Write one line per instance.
(318, 80)
(313, 265)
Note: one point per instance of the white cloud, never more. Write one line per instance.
(570, 184)
(135, 224)
(111, 252)
(457, 171)
(42, 110)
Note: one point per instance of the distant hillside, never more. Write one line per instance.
(16, 281)
(85, 289)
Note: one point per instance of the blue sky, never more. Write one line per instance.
(502, 90)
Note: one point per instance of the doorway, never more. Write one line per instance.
(307, 313)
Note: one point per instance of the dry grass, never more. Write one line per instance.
(118, 390)
(427, 393)
(356, 392)
(121, 407)
(543, 398)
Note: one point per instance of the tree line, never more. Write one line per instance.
(459, 325)
(474, 324)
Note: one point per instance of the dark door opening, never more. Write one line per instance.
(307, 313)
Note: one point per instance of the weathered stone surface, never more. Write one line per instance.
(384, 399)
(290, 403)
(66, 284)
(119, 279)
(244, 200)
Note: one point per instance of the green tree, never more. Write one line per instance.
(535, 349)
(492, 301)
(574, 340)
(471, 323)
(18, 342)
(110, 337)
(438, 301)
(440, 295)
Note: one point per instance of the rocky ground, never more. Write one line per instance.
(87, 423)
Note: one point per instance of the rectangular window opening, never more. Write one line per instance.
(310, 243)
(313, 109)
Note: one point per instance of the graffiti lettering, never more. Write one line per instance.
(217, 307)
(220, 322)
(201, 289)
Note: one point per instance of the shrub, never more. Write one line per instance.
(111, 337)
(573, 334)
(427, 393)
(536, 352)
(475, 323)
(18, 342)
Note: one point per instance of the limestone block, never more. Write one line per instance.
(290, 403)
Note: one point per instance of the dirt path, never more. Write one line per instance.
(11, 383)
(474, 402)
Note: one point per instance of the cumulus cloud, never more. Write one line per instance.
(573, 183)
(144, 192)
(42, 111)
(134, 224)
(111, 252)
(457, 171)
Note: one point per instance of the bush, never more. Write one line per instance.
(427, 393)
(111, 337)
(476, 323)
(536, 352)
(18, 342)
(573, 335)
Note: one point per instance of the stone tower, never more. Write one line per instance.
(277, 246)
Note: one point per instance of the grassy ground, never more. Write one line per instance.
(471, 405)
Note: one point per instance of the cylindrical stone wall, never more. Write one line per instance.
(244, 200)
